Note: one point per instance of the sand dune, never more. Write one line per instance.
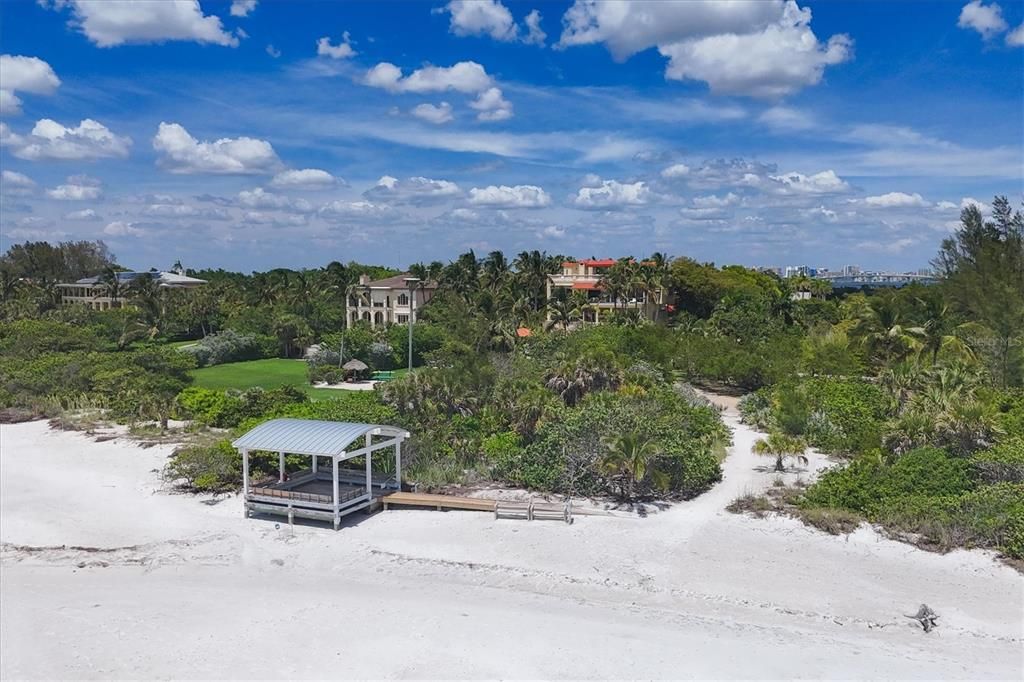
(104, 575)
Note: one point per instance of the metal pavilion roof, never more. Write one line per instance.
(310, 436)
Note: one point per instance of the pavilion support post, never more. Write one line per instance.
(398, 464)
(334, 489)
(245, 483)
(369, 468)
(315, 460)
(280, 462)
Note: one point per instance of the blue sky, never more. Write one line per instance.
(252, 135)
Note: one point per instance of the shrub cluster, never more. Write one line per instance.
(928, 492)
(226, 409)
(567, 453)
(231, 346)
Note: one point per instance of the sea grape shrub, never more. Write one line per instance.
(323, 373)
(229, 346)
(868, 482)
(205, 468)
(990, 517)
(32, 338)
(350, 406)
(756, 409)
(841, 416)
(1003, 463)
(566, 453)
(210, 407)
(380, 355)
(227, 409)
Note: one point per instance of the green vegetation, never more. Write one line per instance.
(919, 389)
(266, 374)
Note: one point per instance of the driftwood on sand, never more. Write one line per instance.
(926, 617)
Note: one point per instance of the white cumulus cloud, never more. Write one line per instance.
(48, 139)
(676, 170)
(491, 105)
(761, 48)
(23, 74)
(467, 77)
(122, 228)
(77, 188)
(305, 178)
(415, 190)
(987, 20)
(83, 214)
(437, 114)
(242, 8)
(519, 196)
(779, 60)
(481, 17)
(15, 183)
(260, 198)
(108, 23)
(715, 201)
(612, 194)
(535, 35)
(1015, 38)
(895, 200)
(825, 182)
(182, 153)
(357, 210)
(342, 50)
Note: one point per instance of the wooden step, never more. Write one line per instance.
(439, 502)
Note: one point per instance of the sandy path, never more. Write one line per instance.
(183, 589)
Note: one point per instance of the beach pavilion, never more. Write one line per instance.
(318, 493)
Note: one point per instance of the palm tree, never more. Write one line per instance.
(148, 296)
(9, 283)
(533, 268)
(880, 328)
(113, 286)
(939, 332)
(592, 371)
(632, 457)
(496, 269)
(781, 446)
(820, 288)
(562, 311)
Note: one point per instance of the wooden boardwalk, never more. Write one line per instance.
(529, 510)
(438, 502)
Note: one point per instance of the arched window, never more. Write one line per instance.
(403, 299)
(378, 318)
(366, 316)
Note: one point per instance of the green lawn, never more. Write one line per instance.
(265, 374)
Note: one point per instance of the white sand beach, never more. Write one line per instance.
(104, 575)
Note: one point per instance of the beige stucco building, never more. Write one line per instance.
(387, 301)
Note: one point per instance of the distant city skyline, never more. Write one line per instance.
(252, 135)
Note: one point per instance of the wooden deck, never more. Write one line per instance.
(438, 502)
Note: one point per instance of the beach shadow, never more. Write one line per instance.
(770, 469)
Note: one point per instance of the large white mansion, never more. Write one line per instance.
(92, 292)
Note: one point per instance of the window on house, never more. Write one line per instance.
(403, 299)
(403, 319)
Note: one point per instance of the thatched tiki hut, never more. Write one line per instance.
(355, 370)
